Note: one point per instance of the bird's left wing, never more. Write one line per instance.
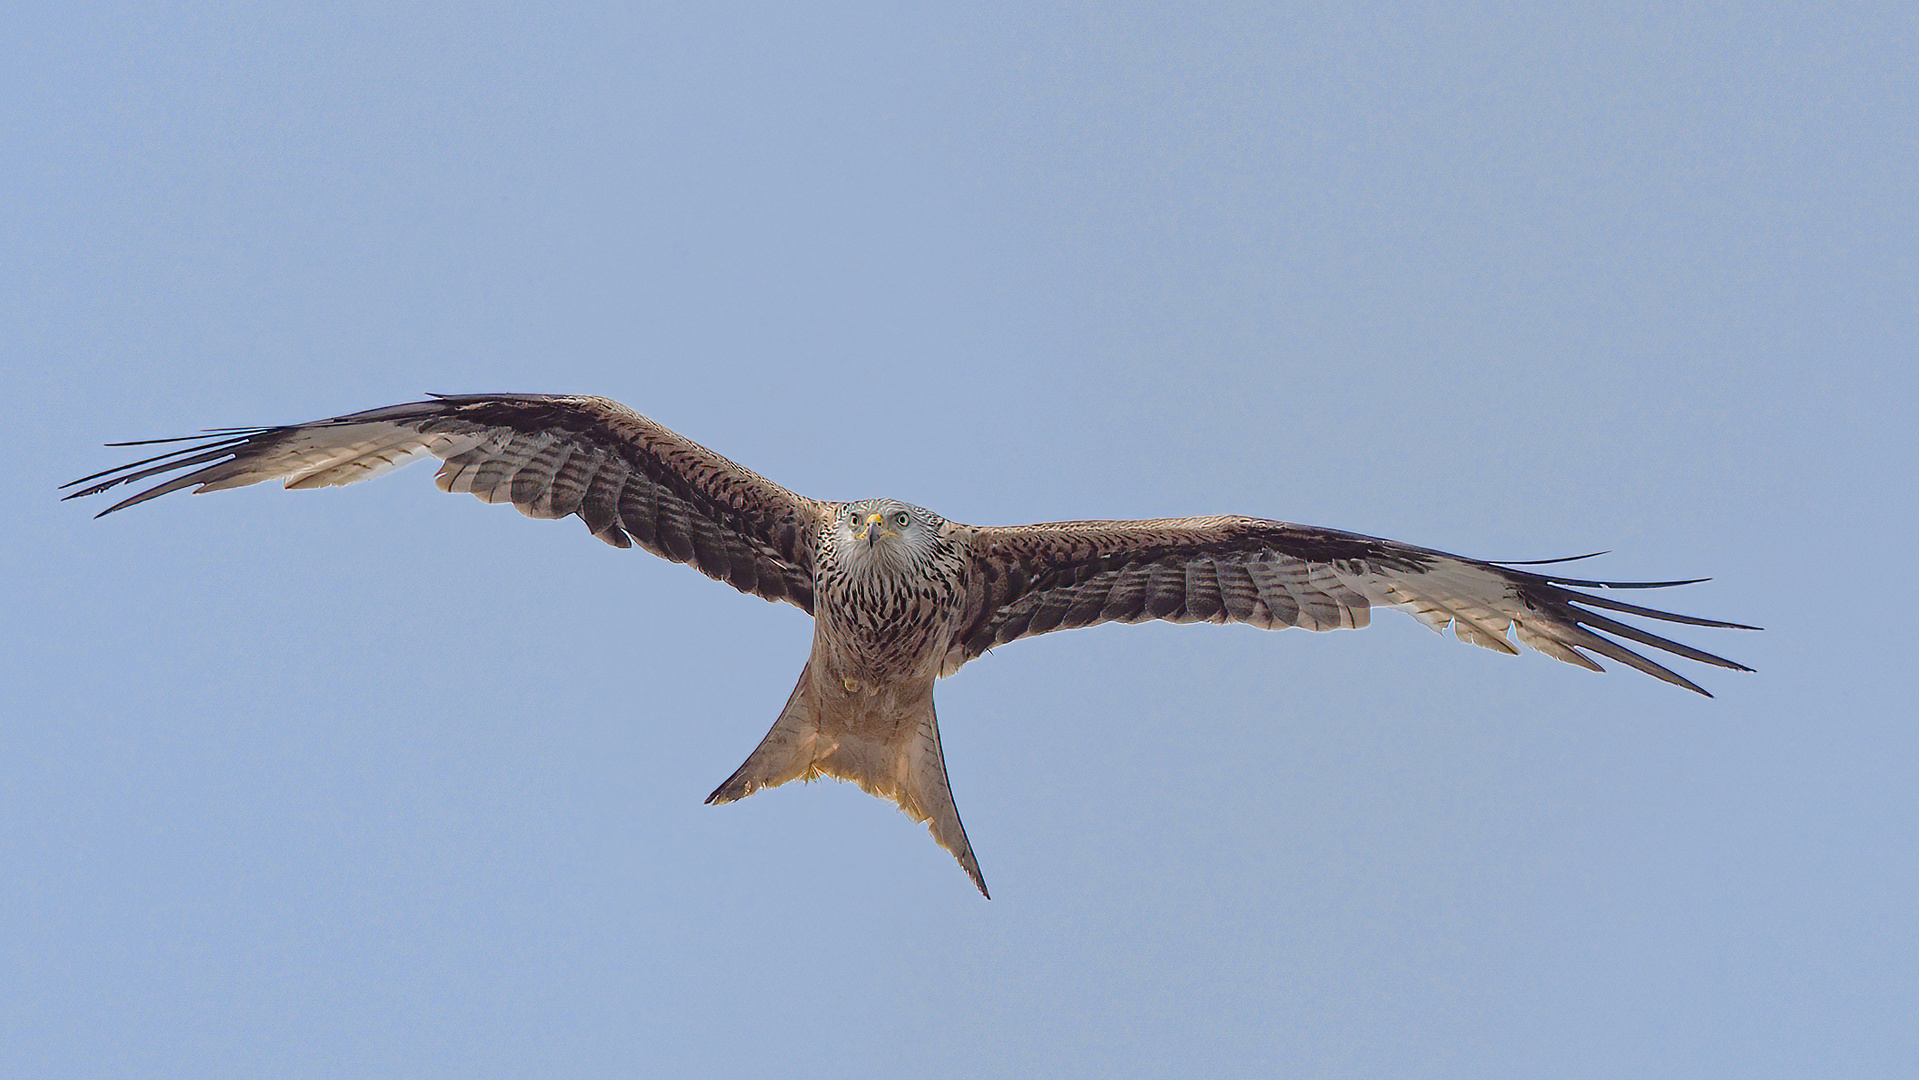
(1032, 579)
(630, 479)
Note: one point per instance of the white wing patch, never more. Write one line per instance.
(317, 461)
(1478, 606)
(331, 456)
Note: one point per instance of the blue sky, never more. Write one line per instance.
(377, 781)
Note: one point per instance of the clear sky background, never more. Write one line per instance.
(377, 781)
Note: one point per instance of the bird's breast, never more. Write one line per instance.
(874, 628)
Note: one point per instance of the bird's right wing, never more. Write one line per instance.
(630, 479)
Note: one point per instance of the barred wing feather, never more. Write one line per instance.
(629, 479)
(1034, 579)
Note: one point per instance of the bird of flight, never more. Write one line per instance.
(900, 596)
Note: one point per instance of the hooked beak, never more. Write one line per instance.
(873, 526)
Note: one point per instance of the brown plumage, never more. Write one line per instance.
(900, 596)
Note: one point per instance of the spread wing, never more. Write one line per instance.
(1033, 579)
(631, 480)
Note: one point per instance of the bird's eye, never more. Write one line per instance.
(901, 519)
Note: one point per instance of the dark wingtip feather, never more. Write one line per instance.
(216, 432)
(1545, 562)
(1612, 649)
(1652, 613)
(226, 443)
(220, 446)
(1585, 584)
(1626, 630)
(1559, 597)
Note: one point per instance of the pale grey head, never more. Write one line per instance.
(885, 538)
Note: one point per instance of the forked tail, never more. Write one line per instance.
(887, 743)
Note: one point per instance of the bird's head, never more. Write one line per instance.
(886, 534)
